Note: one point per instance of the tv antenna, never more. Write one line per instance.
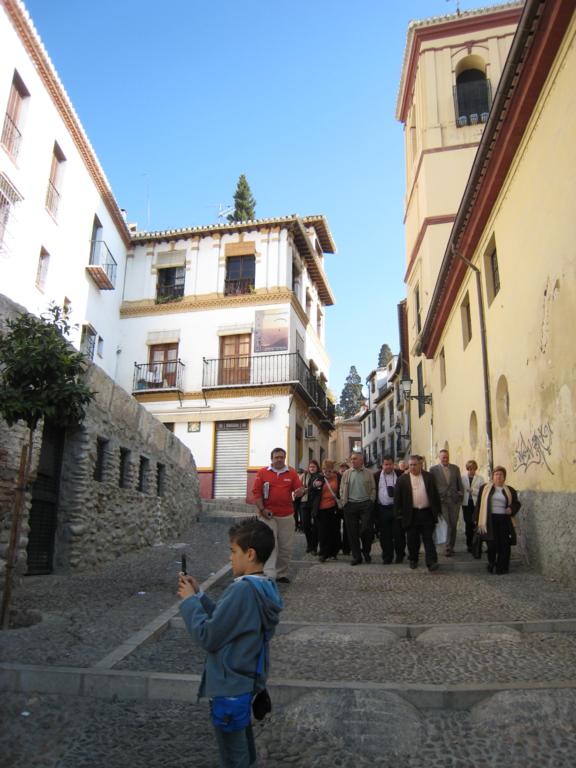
(223, 210)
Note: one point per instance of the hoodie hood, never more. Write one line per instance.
(268, 599)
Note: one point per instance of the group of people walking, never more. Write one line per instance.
(343, 510)
(403, 504)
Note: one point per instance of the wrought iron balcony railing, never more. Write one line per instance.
(166, 375)
(238, 287)
(11, 136)
(472, 102)
(169, 292)
(52, 199)
(102, 267)
(256, 370)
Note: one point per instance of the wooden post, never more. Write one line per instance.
(12, 553)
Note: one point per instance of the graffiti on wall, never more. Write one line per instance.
(535, 449)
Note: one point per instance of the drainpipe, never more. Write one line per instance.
(487, 404)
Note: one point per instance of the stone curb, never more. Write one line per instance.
(548, 626)
(120, 684)
(154, 629)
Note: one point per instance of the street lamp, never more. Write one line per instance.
(406, 385)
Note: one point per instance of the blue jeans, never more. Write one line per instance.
(237, 749)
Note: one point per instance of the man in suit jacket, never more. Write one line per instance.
(390, 530)
(449, 485)
(417, 502)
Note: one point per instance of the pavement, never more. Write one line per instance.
(376, 665)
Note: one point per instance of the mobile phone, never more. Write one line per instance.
(183, 564)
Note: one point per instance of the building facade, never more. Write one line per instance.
(218, 331)
(223, 340)
(495, 335)
(452, 67)
(63, 238)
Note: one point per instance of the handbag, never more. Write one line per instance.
(261, 704)
(477, 544)
(231, 713)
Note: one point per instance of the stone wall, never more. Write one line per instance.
(98, 519)
(548, 533)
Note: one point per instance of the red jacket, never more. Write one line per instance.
(281, 485)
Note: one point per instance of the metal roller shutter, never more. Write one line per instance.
(231, 459)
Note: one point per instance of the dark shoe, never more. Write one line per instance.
(413, 565)
(367, 558)
(283, 580)
(356, 562)
(490, 568)
(387, 561)
(449, 553)
(321, 559)
(433, 567)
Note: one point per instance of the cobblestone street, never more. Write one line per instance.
(375, 665)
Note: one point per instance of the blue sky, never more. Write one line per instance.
(179, 98)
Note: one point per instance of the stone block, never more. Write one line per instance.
(60, 680)
(175, 687)
(124, 685)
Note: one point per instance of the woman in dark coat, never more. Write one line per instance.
(310, 482)
(496, 506)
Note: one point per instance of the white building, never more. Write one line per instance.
(63, 238)
(385, 428)
(218, 330)
(223, 340)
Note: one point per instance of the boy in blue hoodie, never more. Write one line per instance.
(232, 632)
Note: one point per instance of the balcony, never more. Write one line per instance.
(262, 370)
(52, 199)
(102, 267)
(169, 292)
(154, 376)
(238, 287)
(11, 136)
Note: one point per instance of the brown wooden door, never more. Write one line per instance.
(163, 361)
(235, 359)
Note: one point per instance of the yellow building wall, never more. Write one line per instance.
(439, 157)
(530, 323)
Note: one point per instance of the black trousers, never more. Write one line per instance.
(345, 542)
(391, 534)
(309, 527)
(499, 546)
(328, 522)
(468, 513)
(422, 530)
(358, 519)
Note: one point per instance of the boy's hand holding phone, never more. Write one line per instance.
(187, 586)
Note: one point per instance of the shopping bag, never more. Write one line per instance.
(441, 531)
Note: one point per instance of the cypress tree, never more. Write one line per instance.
(352, 398)
(244, 203)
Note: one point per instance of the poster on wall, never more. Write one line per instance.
(271, 332)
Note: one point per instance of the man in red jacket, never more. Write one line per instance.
(274, 488)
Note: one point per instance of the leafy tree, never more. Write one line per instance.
(244, 203)
(351, 398)
(39, 379)
(385, 356)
